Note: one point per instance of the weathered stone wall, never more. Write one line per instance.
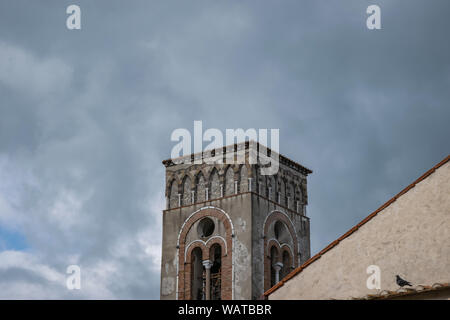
(410, 237)
(248, 199)
(238, 207)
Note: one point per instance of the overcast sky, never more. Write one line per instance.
(86, 117)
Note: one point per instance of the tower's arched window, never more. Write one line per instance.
(187, 196)
(216, 272)
(273, 261)
(243, 179)
(173, 197)
(271, 190)
(282, 192)
(201, 195)
(215, 184)
(278, 229)
(229, 181)
(286, 264)
(197, 292)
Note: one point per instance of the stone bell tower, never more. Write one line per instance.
(230, 232)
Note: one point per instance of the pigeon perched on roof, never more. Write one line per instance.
(401, 282)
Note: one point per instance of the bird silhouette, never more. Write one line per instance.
(401, 282)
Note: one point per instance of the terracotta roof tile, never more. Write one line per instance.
(331, 245)
(275, 287)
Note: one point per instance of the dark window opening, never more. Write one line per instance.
(205, 227)
(273, 260)
(286, 265)
(197, 275)
(278, 229)
(216, 272)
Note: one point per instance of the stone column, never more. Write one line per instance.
(277, 266)
(208, 264)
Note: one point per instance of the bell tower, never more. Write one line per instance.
(230, 232)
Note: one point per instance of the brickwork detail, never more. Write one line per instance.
(184, 273)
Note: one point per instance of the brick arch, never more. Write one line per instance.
(205, 247)
(188, 266)
(272, 217)
(193, 245)
(184, 262)
(272, 243)
(220, 241)
(281, 247)
(243, 178)
(269, 260)
(288, 250)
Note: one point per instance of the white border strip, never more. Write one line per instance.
(205, 243)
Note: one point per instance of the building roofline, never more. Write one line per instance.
(355, 228)
(204, 154)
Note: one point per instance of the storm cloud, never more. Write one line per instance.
(86, 117)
